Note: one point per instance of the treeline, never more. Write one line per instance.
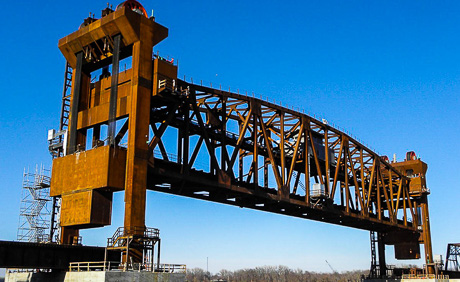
(272, 274)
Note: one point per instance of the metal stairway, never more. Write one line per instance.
(66, 94)
(138, 244)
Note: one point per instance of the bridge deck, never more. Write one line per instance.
(167, 177)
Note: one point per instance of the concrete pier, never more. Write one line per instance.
(94, 276)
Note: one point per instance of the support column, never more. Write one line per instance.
(382, 262)
(158, 254)
(68, 233)
(137, 152)
(427, 234)
(114, 89)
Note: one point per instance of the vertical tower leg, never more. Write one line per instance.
(137, 152)
(427, 235)
(382, 262)
(114, 89)
(68, 233)
(158, 254)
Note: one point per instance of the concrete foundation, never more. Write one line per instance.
(411, 280)
(94, 276)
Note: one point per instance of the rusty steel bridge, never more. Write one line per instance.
(256, 154)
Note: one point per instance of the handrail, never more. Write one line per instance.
(115, 265)
(146, 232)
(171, 268)
(93, 265)
(424, 276)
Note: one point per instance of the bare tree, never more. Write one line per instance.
(273, 274)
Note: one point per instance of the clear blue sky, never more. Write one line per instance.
(387, 71)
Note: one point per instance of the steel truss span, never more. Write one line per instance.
(262, 156)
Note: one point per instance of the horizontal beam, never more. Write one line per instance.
(49, 256)
(206, 184)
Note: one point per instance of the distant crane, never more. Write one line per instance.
(333, 270)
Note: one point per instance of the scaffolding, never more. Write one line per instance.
(453, 257)
(35, 210)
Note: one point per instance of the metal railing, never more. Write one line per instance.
(171, 268)
(115, 265)
(171, 157)
(424, 276)
(93, 266)
(146, 232)
(166, 84)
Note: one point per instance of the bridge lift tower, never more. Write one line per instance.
(259, 155)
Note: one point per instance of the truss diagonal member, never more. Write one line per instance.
(315, 156)
(337, 168)
(398, 197)
(296, 181)
(411, 207)
(355, 180)
(293, 130)
(369, 191)
(348, 198)
(240, 138)
(294, 157)
(195, 152)
(390, 176)
(162, 129)
(121, 133)
(206, 137)
(270, 154)
(160, 142)
(385, 193)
